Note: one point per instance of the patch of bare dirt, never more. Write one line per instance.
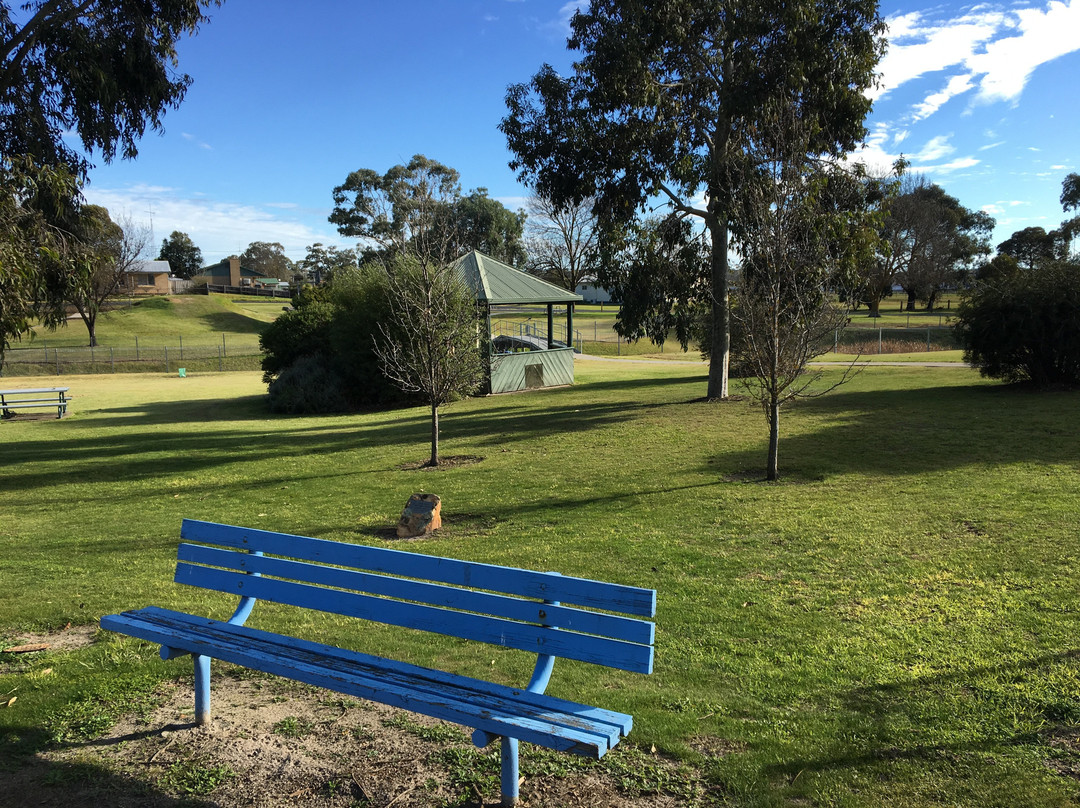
(275, 743)
(68, 638)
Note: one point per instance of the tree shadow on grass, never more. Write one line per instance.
(132, 448)
(30, 778)
(912, 431)
(872, 728)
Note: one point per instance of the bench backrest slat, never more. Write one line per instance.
(526, 583)
(607, 625)
(497, 631)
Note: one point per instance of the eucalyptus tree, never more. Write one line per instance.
(663, 98)
(103, 70)
(33, 281)
(409, 209)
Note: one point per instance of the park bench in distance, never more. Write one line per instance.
(514, 608)
(34, 397)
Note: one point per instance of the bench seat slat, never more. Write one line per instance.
(28, 402)
(607, 625)
(493, 708)
(523, 636)
(539, 585)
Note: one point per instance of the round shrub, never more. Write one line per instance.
(1025, 326)
(308, 387)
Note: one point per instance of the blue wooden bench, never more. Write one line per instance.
(514, 608)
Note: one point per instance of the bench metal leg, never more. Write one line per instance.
(202, 689)
(509, 771)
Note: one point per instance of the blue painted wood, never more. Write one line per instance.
(493, 708)
(607, 625)
(506, 633)
(526, 583)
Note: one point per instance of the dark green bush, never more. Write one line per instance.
(308, 387)
(1025, 326)
(320, 357)
(294, 335)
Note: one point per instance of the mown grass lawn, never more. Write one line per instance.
(895, 622)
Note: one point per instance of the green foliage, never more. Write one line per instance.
(320, 357)
(418, 209)
(33, 276)
(106, 71)
(664, 99)
(653, 267)
(268, 258)
(1025, 326)
(185, 259)
(1030, 246)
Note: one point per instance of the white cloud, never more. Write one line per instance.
(935, 101)
(917, 48)
(991, 145)
(947, 168)
(989, 50)
(935, 149)
(218, 228)
(1045, 34)
(196, 141)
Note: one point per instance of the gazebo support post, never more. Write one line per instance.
(551, 325)
(570, 325)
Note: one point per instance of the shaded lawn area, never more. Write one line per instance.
(894, 622)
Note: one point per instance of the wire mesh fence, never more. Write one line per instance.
(141, 356)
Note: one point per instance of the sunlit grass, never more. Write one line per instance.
(893, 623)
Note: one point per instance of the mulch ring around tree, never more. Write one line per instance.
(448, 462)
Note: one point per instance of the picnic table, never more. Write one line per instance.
(33, 397)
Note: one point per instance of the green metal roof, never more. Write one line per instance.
(494, 282)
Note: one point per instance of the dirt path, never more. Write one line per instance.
(275, 743)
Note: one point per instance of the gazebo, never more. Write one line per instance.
(527, 360)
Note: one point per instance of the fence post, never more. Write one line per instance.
(224, 351)
(56, 353)
(928, 340)
(136, 349)
(220, 362)
(836, 341)
(166, 358)
(879, 340)
(112, 361)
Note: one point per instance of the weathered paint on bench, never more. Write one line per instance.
(542, 612)
(35, 398)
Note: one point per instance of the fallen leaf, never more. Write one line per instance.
(11, 701)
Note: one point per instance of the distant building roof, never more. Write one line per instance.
(222, 268)
(151, 267)
(494, 282)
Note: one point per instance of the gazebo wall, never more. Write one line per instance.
(532, 369)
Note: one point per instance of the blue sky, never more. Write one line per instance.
(285, 103)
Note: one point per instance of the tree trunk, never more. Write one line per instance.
(720, 342)
(434, 461)
(911, 301)
(875, 307)
(773, 472)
